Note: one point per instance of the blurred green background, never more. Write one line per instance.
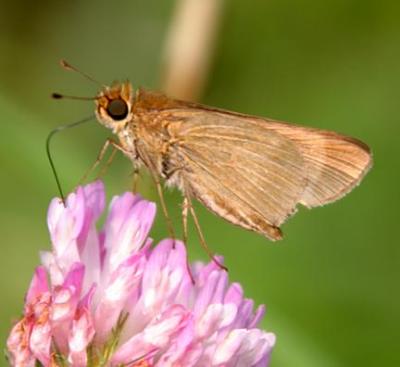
(332, 285)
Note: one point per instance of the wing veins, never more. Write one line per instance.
(264, 157)
(233, 192)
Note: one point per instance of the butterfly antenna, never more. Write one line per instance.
(62, 96)
(67, 66)
(49, 156)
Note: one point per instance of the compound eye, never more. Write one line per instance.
(117, 109)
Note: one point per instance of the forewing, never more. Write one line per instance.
(333, 164)
(249, 175)
(253, 171)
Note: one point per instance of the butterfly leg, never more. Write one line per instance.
(185, 212)
(135, 179)
(100, 157)
(164, 206)
(200, 234)
(150, 165)
(107, 164)
(185, 209)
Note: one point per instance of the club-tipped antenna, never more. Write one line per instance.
(67, 66)
(49, 156)
(62, 96)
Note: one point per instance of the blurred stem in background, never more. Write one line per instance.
(189, 47)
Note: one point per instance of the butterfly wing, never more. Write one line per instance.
(248, 175)
(249, 170)
(335, 163)
(253, 172)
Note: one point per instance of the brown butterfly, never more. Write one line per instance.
(249, 170)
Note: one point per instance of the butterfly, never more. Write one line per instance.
(251, 171)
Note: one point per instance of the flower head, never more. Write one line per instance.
(108, 298)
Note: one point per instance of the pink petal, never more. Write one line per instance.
(38, 284)
(260, 312)
(256, 346)
(227, 350)
(156, 336)
(245, 310)
(87, 299)
(127, 227)
(244, 347)
(189, 358)
(65, 225)
(66, 221)
(30, 338)
(182, 348)
(40, 341)
(201, 272)
(65, 301)
(164, 275)
(18, 345)
(82, 333)
(49, 261)
(94, 201)
(91, 257)
(215, 317)
(165, 272)
(74, 278)
(206, 292)
(234, 294)
(122, 283)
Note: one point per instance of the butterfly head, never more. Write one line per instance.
(114, 106)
